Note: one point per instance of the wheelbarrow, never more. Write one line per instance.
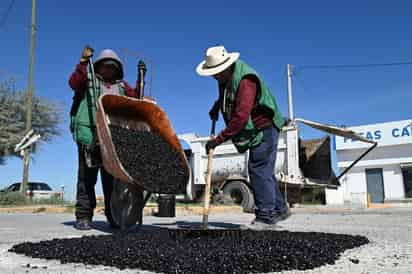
(128, 201)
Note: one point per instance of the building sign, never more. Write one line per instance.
(386, 134)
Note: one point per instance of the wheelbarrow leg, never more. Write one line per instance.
(147, 196)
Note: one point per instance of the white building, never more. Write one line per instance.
(385, 173)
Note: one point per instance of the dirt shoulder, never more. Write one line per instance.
(148, 210)
(184, 210)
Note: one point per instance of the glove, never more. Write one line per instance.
(141, 66)
(86, 53)
(211, 144)
(214, 111)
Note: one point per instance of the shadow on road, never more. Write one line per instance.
(97, 225)
(188, 225)
(103, 226)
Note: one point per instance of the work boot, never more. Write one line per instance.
(258, 224)
(83, 224)
(283, 215)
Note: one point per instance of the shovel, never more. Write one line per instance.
(206, 206)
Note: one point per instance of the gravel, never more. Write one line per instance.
(150, 161)
(388, 230)
(199, 251)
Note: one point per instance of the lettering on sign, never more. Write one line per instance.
(392, 133)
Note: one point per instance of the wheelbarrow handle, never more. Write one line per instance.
(141, 84)
(94, 81)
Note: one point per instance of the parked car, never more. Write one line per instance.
(37, 190)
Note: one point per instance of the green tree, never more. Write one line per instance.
(46, 117)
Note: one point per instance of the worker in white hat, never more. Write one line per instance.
(253, 122)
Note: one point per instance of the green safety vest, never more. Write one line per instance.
(83, 112)
(249, 136)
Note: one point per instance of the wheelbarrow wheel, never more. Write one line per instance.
(126, 205)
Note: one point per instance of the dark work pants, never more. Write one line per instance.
(268, 199)
(86, 182)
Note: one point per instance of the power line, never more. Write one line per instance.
(306, 67)
(6, 14)
(302, 84)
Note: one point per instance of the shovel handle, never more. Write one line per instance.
(206, 207)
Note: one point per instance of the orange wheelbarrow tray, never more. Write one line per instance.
(134, 114)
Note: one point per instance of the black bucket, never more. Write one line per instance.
(166, 206)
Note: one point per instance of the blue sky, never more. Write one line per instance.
(175, 35)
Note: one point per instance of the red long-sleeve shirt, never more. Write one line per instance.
(78, 81)
(244, 108)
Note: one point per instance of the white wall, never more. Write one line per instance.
(354, 187)
(334, 196)
(393, 182)
(351, 191)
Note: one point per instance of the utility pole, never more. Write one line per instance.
(29, 97)
(290, 98)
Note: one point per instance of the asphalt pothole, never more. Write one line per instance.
(199, 251)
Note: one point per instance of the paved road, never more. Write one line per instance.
(389, 230)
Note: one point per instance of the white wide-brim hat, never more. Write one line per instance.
(217, 60)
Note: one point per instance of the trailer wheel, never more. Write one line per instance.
(241, 194)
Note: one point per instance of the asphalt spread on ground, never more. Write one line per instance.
(198, 251)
